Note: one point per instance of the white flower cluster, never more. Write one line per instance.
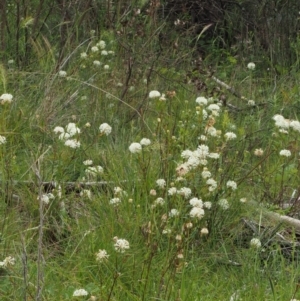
(105, 129)
(136, 147)
(284, 124)
(6, 98)
(121, 244)
(80, 292)
(102, 256)
(65, 134)
(8, 261)
(46, 197)
(2, 139)
(94, 170)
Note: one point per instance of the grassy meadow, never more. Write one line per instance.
(130, 171)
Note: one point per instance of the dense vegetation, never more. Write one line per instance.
(148, 151)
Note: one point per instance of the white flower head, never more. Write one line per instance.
(232, 185)
(251, 103)
(195, 202)
(58, 130)
(83, 55)
(285, 153)
(154, 94)
(135, 148)
(87, 162)
(281, 122)
(251, 66)
(94, 49)
(102, 256)
(80, 292)
(173, 212)
(185, 191)
(115, 201)
(101, 44)
(97, 63)
(72, 129)
(223, 203)
(105, 129)
(145, 141)
(197, 212)
(62, 73)
(94, 170)
(230, 136)
(73, 143)
(202, 101)
(106, 67)
(2, 139)
(161, 183)
(207, 205)
(255, 242)
(6, 98)
(104, 52)
(213, 107)
(172, 191)
(295, 125)
(121, 245)
(258, 152)
(8, 261)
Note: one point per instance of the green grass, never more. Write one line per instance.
(168, 259)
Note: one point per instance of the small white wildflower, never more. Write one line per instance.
(10, 62)
(195, 202)
(94, 49)
(251, 66)
(204, 231)
(111, 52)
(213, 107)
(101, 256)
(212, 183)
(62, 73)
(97, 63)
(83, 55)
(101, 44)
(145, 141)
(203, 138)
(86, 193)
(251, 103)
(172, 191)
(106, 67)
(105, 129)
(186, 154)
(58, 129)
(185, 191)
(153, 192)
(154, 94)
(44, 198)
(173, 212)
(255, 242)
(2, 139)
(163, 97)
(201, 101)
(158, 201)
(135, 148)
(80, 292)
(258, 152)
(281, 122)
(214, 155)
(230, 136)
(211, 131)
(161, 183)
(285, 153)
(166, 231)
(243, 200)
(115, 201)
(72, 129)
(197, 212)
(207, 205)
(8, 261)
(94, 170)
(6, 98)
(87, 162)
(295, 125)
(223, 203)
(64, 136)
(121, 245)
(232, 185)
(104, 52)
(73, 143)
